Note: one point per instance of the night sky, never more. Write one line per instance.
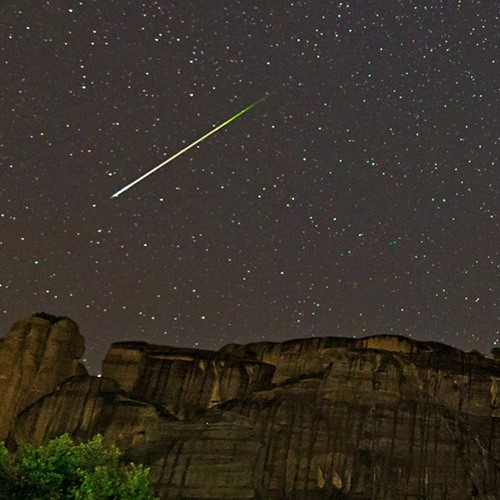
(360, 198)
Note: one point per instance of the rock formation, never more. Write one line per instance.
(183, 381)
(382, 417)
(38, 353)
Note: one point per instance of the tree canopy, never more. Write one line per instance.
(496, 353)
(62, 469)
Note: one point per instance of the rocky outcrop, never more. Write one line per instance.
(38, 353)
(84, 406)
(367, 427)
(183, 381)
(381, 418)
(297, 357)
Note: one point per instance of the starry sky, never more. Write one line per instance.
(360, 198)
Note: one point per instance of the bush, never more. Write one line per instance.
(496, 353)
(62, 469)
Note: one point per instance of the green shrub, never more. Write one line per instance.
(62, 469)
(496, 353)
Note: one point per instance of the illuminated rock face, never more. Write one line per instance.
(38, 353)
(369, 427)
(383, 418)
(184, 381)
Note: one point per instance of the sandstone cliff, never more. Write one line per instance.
(38, 353)
(183, 381)
(382, 418)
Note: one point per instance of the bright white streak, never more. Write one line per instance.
(182, 151)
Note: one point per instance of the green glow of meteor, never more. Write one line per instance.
(182, 151)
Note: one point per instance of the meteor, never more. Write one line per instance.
(182, 151)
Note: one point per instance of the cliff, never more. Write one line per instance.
(382, 417)
(38, 353)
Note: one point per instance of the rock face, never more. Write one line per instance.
(380, 418)
(183, 381)
(38, 353)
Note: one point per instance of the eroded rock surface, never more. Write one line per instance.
(184, 381)
(84, 406)
(380, 418)
(38, 353)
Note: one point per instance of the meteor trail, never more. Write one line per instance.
(182, 151)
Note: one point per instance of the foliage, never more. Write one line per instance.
(475, 352)
(62, 469)
(496, 353)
